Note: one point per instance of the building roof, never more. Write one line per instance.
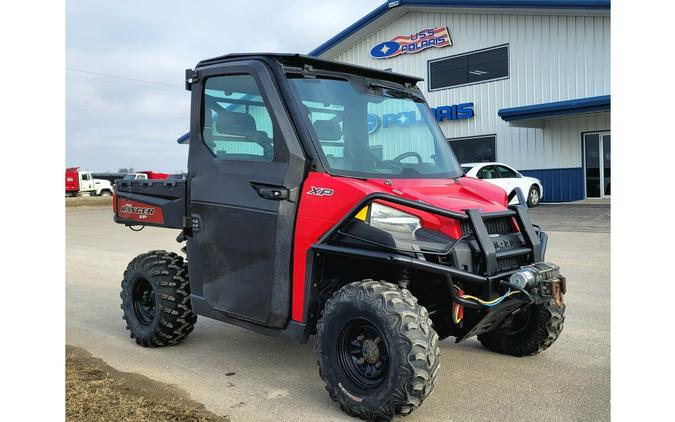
(556, 109)
(397, 8)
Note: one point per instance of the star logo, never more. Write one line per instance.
(403, 119)
(384, 49)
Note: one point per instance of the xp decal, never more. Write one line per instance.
(413, 43)
(319, 191)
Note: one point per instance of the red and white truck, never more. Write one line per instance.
(81, 182)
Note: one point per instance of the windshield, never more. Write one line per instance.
(372, 131)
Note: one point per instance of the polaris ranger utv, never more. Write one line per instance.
(322, 199)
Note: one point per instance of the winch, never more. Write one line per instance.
(531, 275)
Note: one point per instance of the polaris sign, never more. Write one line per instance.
(413, 43)
(453, 112)
(406, 118)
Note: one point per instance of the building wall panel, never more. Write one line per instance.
(551, 58)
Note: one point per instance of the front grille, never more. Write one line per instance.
(506, 264)
(499, 225)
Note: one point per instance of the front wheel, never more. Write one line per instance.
(528, 332)
(533, 197)
(378, 354)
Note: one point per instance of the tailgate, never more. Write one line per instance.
(160, 203)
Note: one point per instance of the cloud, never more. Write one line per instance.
(113, 122)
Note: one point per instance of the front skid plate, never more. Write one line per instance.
(494, 317)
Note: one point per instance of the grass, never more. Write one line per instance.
(97, 392)
(89, 201)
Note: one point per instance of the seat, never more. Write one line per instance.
(242, 128)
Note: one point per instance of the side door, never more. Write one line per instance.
(245, 169)
(86, 182)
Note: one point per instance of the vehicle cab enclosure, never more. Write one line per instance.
(78, 180)
(305, 175)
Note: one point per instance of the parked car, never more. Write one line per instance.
(506, 178)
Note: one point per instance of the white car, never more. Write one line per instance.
(506, 178)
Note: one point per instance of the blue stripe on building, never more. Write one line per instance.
(560, 185)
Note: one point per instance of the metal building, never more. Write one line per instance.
(524, 82)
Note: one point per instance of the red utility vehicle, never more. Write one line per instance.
(322, 199)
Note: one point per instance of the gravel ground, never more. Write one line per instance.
(252, 377)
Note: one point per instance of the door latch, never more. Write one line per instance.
(275, 193)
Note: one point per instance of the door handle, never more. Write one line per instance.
(275, 193)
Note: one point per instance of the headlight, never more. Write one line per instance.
(396, 222)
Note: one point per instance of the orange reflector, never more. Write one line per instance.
(458, 310)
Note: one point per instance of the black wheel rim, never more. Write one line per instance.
(143, 297)
(362, 354)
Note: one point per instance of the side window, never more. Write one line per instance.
(488, 172)
(86, 176)
(479, 149)
(236, 122)
(506, 173)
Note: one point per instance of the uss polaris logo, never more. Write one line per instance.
(319, 191)
(413, 43)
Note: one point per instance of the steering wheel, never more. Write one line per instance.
(405, 155)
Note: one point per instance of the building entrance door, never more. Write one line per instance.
(597, 164)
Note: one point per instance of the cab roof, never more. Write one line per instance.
(300, 60)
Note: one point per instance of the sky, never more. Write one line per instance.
(125, 64)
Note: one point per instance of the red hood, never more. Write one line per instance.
(446, 193)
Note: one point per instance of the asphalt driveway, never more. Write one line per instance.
(593, 218)
(252, 377)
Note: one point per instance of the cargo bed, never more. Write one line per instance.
(161, 203)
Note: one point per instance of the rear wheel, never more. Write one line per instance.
(378, 354)
(533, 196)
(156, 299)
(529, 332)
